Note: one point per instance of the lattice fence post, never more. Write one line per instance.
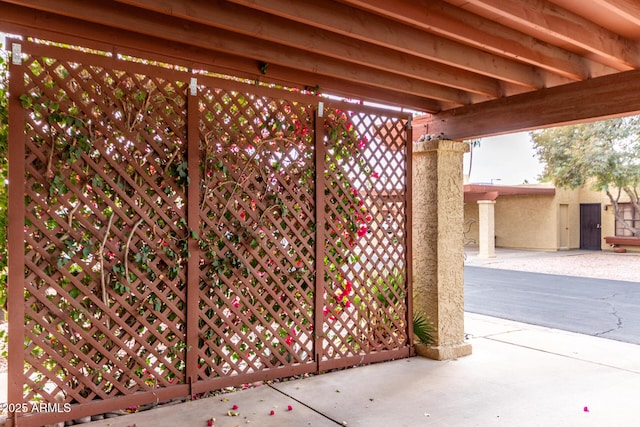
(409, 234)
(319, 132)
(15, 300)
(193, 221)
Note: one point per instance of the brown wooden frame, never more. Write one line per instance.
(384, 333)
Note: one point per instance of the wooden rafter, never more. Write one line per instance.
(276, 29)
(448, 21)
(626, 9)
(229, 43)
(552, 107)
(377, 30)
(451, 58)
(556, 22)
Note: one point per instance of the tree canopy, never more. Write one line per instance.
(604, 155)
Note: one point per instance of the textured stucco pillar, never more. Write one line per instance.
(486, 229)
(438, 255)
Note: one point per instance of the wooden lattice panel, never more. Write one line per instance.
(104, 231)
(257, 239)
(123, 255)
(364, 269)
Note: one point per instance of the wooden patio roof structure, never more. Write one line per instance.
(476, 67)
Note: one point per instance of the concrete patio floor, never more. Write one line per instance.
(518, 375)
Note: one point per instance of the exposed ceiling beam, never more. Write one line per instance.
(455, 23)
(626, 9)
(552, 20)
(19, 20)
(371, 28)
(169, 28)
(553, 107)
(291, 34)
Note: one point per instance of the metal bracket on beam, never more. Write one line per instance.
(16, 54)
(193, 86)
(320, 109)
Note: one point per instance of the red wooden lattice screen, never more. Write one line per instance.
(177, 239)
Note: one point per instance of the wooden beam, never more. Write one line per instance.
(458, 24)
(372, 28)
(163, 28)
(559, 23)
(626, 9)
(22, 21)
(429, 67)
(604, 97)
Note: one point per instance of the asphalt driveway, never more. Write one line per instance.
(597, 307)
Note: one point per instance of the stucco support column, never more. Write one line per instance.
(486, 229)
(438, 253)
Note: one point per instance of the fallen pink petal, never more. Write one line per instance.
(272, 412)
(234, 407)
(289, 408)
(586, 409)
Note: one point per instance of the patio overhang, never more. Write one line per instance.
(475, 68)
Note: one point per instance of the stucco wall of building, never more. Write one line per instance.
(543, 222)
(526, 222)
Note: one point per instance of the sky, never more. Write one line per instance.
(504, 160)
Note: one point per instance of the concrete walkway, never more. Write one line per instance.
(518, 375)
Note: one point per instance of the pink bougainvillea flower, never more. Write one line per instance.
(234, 407)
(362, 144)
(289, 340)
(368, 218)
(375, 175)
(210, 422)
(272, 412)
(289, 408)
(348, 287)
(325, 310)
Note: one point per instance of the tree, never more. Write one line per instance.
(473, 143)
(604, 154)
